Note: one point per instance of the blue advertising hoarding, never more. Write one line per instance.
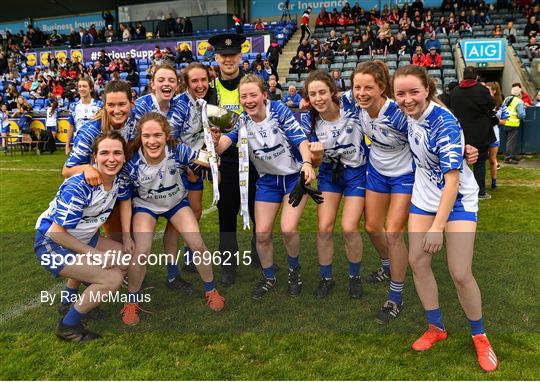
(64, 25)
(14, 27)
(485, 50)
(272, 8)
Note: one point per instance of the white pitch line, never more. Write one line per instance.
(33, 303)
(30, 169)
(30, 304)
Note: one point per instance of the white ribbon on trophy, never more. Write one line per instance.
(211, 156)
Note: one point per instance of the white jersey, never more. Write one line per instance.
(389, 153)
(438, 144)
(342, 140)
(51, 117)
(158, 187)
(79, 207)
(80, 113)
(273, 143)
(186, 122)
(348, 102)
(4, 119)
(148, 103)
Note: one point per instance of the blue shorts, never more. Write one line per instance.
(352, 183)
(383, 184)
(272, 188)
(494, 144)
(190, 186)
(168, 214)
(52, 129)
(51, 255)
(4, 129)
(454, 215)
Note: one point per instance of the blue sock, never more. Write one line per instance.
(355, 269)
(209, 286)
(133, 297)
(68, 295)
(386, 265)
(494, 182)
(172, 271)
(477, 327)
(188, 256)
(293, 262)
(434, 317)
(326, 271)
(270, 272)
(72, 317)
(395, 292)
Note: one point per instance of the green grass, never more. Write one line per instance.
(278, 337)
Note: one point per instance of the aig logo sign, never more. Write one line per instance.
(491, 50)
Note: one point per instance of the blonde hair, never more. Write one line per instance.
(252, 79)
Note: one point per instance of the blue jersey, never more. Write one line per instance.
(342, 139)
(503, 113)
(390, 153)
(438, 144)
(158, 187)
(81, 152)
(79, 208)
(80, 113)
(186, 122)
(148, 103)
(273, 143)
(348, 102)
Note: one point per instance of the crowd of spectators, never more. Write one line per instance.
(410, 30)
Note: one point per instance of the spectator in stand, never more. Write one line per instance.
(418, 42)
(532, 48)
(92, 30)
(327, 55)
(340, 82)
(246, 67)
(304, 24)
(259, 25)
(365, 46)
(380, 45)
(304, 47)
(433, 42)
(162, 28)
(109, 34)
(258, 60)
(532, 28)
(268, 68)
(357, 35)
(262, 74)
(343, 20)
(345, 48)
(445, 96)
(322, 19)
(108, 18)
(316, 48)
(417, 6)
(405, 25)
(298, 63)
(418, 57)
(188, 27)
(453, 26)
(238, 24)
(402, 45)
(126, 34)
(58, 89)
(510, 32)
(333, 40)
(274, 94)
(209, 53)
(309, 64)
(442, 26)
(56, 38)
(273, 52)
(417, 25)
(497, 31)
(433, 60)
(104, 58)
(473, 106)
(183, 54)
(133, 77)
(140, 31)
(363, 17)
(393, 18)
(178, 26)
(292, 98)
(537, 102)
(130, 62)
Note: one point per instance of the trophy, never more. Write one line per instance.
(217, 118)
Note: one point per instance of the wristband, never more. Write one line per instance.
(306, 161)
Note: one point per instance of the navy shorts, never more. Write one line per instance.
(272, 188)
(52, 256)
(352, 183)
(383, 184)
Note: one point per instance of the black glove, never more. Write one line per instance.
(296, 195)
(298, 192)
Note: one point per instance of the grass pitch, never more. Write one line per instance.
(278, 337)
